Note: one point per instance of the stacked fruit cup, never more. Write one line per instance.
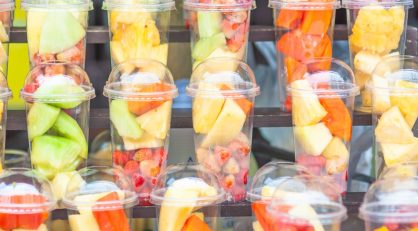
(304, 30)
(376, 29)
(6, 12)
(223, 102)
(57, 104)
(5, 94)
(322, 106)
(187, 198)
(56, 30)
(262, 189)
(140, 95)
(219, 28)
(25, 200)
(391, 205)
(138, 30)
(100, 198)
(306, 203)
(394, 88)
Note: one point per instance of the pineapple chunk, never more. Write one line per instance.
(381, 99)
(157, 121)
(312, 139)
(146, 141)
(223, 53)
(399, 153)
(411, 120)
(336, 149)
(306, 108)
(408, 103)
(392, 128)
(4, 37)
(81, 222)
(257, 226)
(336, 165)
(365, 61)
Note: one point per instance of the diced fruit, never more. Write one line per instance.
(399, 153)
(117, 52)
(41, 117)
(312, 139)
(146, 141)
(128, 17)
(156, 122)
(83, 222)
(35, 22)
(48, 92)
(381, 100)
(306, 108)
(338, 118)
(205, 46)
(61, 180)
(305, 211)
(209, 23)
(112, 219)
(289, 19)
(140, 107)
(366, 61)
(408, 103)
(392, 128)
(87, 209)
(316, 22)
(195, 223)
(124, 122)
(336, 165)
(231, 167)
(149, 168)
(245, 104)
(335, 149)
(229, 181)
(295, 70)
(4, 37)
(224, 53)
(209, 161)
(260, 212)
(411, 120)
(227, 126)
(257, 226)
(222, 154)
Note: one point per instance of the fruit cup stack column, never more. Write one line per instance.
(5, 94)
(6, 12)
(304, 31)
(56, 30)
(222, 111)
(58, 104)
(376, 30)
(218, 28)
(138, 30)
(322, 106)
(140, 95)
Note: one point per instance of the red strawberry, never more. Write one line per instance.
(222, 154)
(138, 180)
(243, 176)
(120, 158)
(143, 154)
(30, 88)
(131, 167)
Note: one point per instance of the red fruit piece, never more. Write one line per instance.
(338, 118)
(243, 175)
(266, 220)
(131, 167)
(289, 19)
(239, 148)
(113, 219)
(229, 181)
(30, 88)
(159, 155)
(52, 70)
(222, 154)
(138, 180)
(143, 154)
(120, 158)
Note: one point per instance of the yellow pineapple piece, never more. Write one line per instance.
(393, 129)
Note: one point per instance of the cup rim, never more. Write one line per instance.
(304, 5)
(140, 96)
(88, 94)
(352, 90)
(5, 93)
(199, 201)
(82, 6)
(357, 4)
(251, 91)
(229, 7)
(153, 7)
(366, 214)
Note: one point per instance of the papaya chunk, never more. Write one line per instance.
(289, 19)
(316, 22)
(338, 120)
(295, 69)
(195, 223)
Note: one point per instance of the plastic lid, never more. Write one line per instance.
(6, 5)
(357, 4)
(219, 5)
(57, 82)
(142, 80)
(391, 200)
(223, 78)
(187, 185)
(142, 5)
(304, 5)
(88, 188)
(24, 192)
(5, 92)
(315, 197)
(84, 5)
(404, 170)
(272, 174)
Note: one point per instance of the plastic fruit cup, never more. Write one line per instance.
(263, 186)
(391, 204)
(403, 170)
(187, 198)
(305, 203)
(6, 11)
(5, 94)
(376, 30)
(138, 30)
(218, 28)
(223, 102)
(57, 104)
(394, 89)
(56, 30)
(140, 114)
(322, 106)
(25, 200)
(99, 198)
(304, 30)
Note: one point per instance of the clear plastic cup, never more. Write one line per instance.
(26, 200)
(304, 31)
(394, 88)
(322, 107)
(222, 110)
(56, 30)
(218, 28)
(57, 105)
(306, 203)
(138, 30)
(5, 94)
(263, 186)
(100, 198)
(404, 170)
(391, 204)
(187, 197)
(6, 16)
(376, 29)
(140, 102)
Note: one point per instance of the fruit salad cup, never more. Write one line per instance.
(25, 201)
(140, 114)
(394, 88)
(5, 94)
(391, 205)
(322, 106)
(403, 170)
(56, 30)
(218, 28)
(305, 203)
(138, 30)
(376, 29)
(304, 30)
(6, 15)
(223, 102)
(57, 104)
(100, 198)
(187, 198)
(263, 186)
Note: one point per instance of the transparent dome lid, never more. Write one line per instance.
(141, 5)
(22, 191)
(308, 197)
(143, 79)
(5, 92)
(57, 82)
(404, 170)
(392, 200)
(219, 5)
(84, 5)
(223, 78)
(99, 188)
(187, 185)
(271, 175)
